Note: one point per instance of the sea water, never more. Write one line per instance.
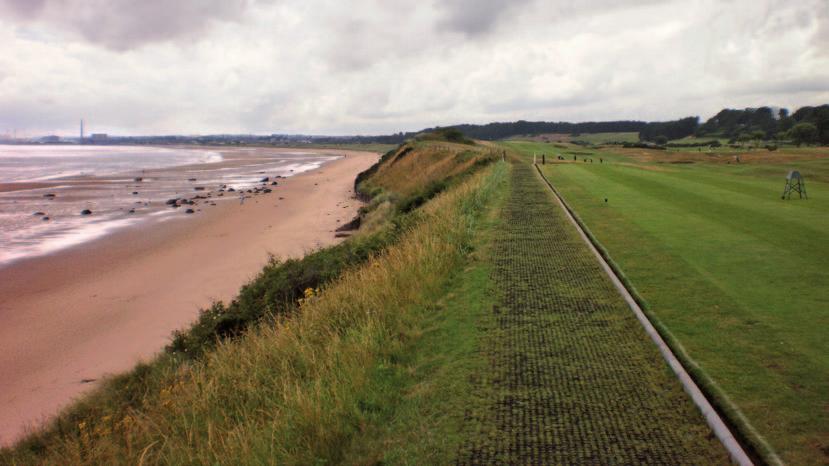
(121, 185)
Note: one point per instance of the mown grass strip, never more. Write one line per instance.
(741, 427)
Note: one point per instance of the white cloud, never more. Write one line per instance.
(372, 66)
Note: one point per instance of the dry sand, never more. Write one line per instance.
(68, 319)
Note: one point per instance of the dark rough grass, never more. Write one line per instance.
(573, 378)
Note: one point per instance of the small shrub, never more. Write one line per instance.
(446, 134)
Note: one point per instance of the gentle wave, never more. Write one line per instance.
(45, 163)
(118, 201)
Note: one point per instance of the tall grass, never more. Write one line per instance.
(417, 167)
(291, 391)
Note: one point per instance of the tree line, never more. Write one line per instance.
(806, 125)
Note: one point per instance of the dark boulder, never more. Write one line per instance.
(199, 188)
(50, 195)
(38, 214)
(171, 201)
(267, 191)
(265, 180)
(45, 219)
(189, 211)
(135, 193)
(138, 179)
(274, 183)
(86, 212)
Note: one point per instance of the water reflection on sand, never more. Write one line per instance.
(41, 213)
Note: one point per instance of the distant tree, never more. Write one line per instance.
(661, 140)
(446, 134)
(785, 124)
(803, 133)
(818, 116)
(758, 135)
(745, 136)
(676, 129)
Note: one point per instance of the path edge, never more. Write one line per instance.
(690, 375)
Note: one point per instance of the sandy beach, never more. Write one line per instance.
(70, 318)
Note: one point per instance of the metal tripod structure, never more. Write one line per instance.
(794, 184)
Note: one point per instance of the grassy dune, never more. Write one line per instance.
(294, 386)
(735, 273)
(417, 167)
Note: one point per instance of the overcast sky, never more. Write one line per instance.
(380, 66)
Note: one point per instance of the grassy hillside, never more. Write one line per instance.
(420, 166)
(735, 272)
(287, 371)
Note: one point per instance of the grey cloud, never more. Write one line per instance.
(22, 8)
(371, 66)
(812, 84)
(127, 24)
(821, 38)
(476, 17)
(525, 102)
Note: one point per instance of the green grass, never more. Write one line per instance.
(568, 151)
(604, 138)
(573, 378)
(737, 274)
(425, 387)
(697, 140)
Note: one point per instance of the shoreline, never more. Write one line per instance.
(41, 217)
(99, 308)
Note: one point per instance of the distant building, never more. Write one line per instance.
(51, 139)
(99, 137)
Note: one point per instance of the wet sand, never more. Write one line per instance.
(70, 318)
(9, 187)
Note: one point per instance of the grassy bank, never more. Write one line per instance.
(731, 269)
(295, 367)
